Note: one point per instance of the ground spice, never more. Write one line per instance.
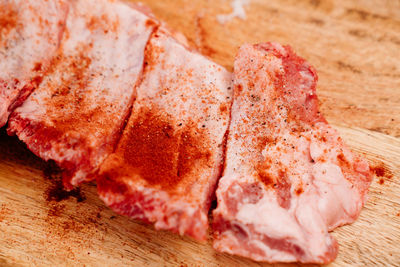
(8, 19)
(56, 191)
(158, 152)
(382, 172)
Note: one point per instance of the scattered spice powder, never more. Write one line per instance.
(299, 191)
(381, 171)
(8, 19)
(56, 191)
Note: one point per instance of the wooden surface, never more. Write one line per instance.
(355, 46)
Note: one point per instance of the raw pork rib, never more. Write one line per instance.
(27, 44)
(166, 166)
(77, 114)
(289, 178)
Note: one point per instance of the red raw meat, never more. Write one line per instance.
(27, 44)
(167, 163)
(75, 117)
(289, 178)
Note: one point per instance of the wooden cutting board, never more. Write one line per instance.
(355, 46)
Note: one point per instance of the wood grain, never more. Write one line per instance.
(355, 47)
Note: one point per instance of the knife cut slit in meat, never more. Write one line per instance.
(75, 117)
(289, 179)
(30, 32)
(167, 163)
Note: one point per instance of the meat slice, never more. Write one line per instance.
(30, 32)
(75, 117)
(289, 178)
(167, 163)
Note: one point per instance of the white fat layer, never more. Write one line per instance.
(263, 215)
(336, 195)
(276, 255)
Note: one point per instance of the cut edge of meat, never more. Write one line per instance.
(222, 229)
(73, 167)
(153, 206)
(6, 110)
(156, 25)
(236, 237)
(223, 160)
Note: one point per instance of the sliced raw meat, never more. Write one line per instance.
(167, 163)
(289, 178)
(75, 117)
(30, 32)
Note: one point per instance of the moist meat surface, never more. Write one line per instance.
(30, 32)
(76, 115)
(166, 166)
(289, 179)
